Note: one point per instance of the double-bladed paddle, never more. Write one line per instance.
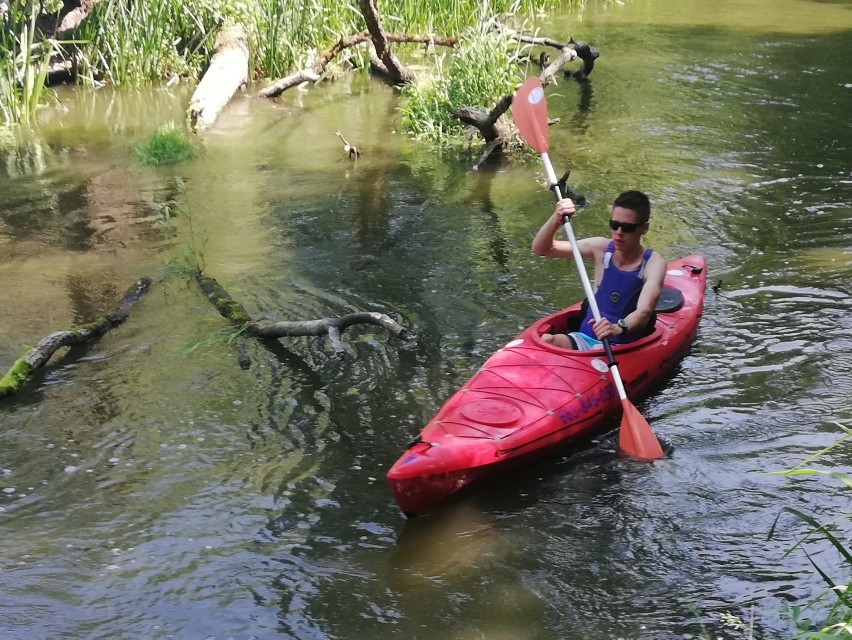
(636, 439)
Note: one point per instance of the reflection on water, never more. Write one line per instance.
(152, 488)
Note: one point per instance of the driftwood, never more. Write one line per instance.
(499, 132)
(349, 149)
(37, 357)
(331, 327)
(569, 51)
(227, 73)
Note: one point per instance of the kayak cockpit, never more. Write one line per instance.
(567, 320)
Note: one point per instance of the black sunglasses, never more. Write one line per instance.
(627, 227)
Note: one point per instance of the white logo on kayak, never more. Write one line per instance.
(536, 95)
(514, 343)
(674, 272)
(600, 365)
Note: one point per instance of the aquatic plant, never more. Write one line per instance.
(837, 622)
(170, 144)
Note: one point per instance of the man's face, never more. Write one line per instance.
(628, 232)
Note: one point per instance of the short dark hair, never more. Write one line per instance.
(637, 202)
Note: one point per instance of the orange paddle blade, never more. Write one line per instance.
(529, 109)
(636, 439)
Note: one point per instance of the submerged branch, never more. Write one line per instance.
(331, 327)
(37, 357)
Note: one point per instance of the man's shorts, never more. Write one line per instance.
(583, 342)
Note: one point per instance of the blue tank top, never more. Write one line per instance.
(618, 294)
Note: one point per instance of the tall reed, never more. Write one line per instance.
(454, 16)
(24, 63)
(141, 43)
(837, 621)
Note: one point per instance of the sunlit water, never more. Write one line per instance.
(154, 489)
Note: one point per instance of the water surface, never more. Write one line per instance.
(153, 489)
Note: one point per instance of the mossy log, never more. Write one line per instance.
(37, 357)
(227, 73)
(330, 327)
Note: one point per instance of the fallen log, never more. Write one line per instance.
(330, 327)
(37, 357)
(227, 73)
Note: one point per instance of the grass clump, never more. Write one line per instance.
(168, 145)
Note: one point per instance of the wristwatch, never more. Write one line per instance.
(621, 323)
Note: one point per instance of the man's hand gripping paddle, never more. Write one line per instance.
(636, 439)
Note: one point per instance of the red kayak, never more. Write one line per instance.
(531, 399)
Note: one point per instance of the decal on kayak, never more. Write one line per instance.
(514, 343)
(638, 380)
(674, 272)
(586, 403)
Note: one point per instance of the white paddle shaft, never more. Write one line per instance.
(581, 269)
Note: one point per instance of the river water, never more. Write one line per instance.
(154, 489)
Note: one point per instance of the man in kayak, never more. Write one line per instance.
(628, 277)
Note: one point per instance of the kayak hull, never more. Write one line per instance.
(531, 399)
